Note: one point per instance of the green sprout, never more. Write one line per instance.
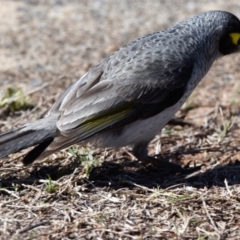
(14, 99)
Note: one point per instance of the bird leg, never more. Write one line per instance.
(141, 153)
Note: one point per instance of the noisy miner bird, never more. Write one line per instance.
(129, 96)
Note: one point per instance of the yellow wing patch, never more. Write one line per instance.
(235, 38)
(104, 120)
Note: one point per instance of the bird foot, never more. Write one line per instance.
(172, 167)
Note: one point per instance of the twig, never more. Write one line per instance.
(30, 227)
(210, 218)
(227, 187)
(9, 192)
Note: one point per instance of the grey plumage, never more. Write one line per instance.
(133, 93)
(34, 133)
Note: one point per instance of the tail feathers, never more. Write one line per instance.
(49, 146)
(39, 133)
(17, 140)
(37, 151)
(8, 136)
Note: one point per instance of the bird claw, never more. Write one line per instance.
(189, 169)
(187, 166)
(173, 167)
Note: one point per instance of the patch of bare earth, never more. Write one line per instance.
(104, 193)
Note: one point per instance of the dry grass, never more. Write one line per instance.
(105, 194)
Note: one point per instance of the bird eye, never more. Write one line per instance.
(235, 37)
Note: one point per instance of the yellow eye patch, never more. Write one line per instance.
(235, 37)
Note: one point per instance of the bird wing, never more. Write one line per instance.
(95, 104)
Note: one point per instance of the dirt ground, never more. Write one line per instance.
(88, 193)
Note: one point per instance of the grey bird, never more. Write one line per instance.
(130, 96)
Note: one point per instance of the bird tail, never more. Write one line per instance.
(40, 133)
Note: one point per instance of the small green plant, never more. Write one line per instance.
(226, 125)
(85, 157)
(176, 198)
(74, 151)
(31, 235)
(167, 130)
(101, 219)
(223, 130)
(193, 222)
(156, 193)
(14, 99)
(189, 104)
(88, 162)
(235, 96)
(15, 187)
(50, 187)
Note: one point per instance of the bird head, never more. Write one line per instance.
(230, 39)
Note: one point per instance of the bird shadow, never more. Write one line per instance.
(117, 176)
(128, 174)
